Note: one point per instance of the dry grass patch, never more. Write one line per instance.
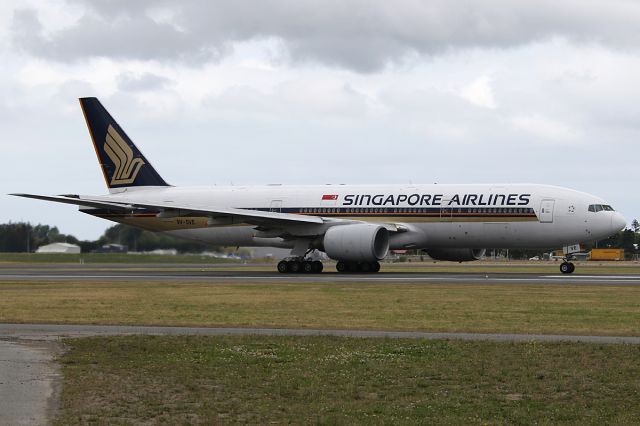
(554, 309)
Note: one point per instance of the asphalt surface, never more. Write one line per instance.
(29, 383)
(207, 273)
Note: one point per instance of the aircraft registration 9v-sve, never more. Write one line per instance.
(354, 224)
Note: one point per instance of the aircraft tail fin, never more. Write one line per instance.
(122, 163)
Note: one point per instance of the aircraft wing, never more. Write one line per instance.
(253, 217)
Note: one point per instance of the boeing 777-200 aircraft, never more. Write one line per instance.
(354, 224)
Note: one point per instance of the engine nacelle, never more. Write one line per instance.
(456, 254)
(361, 242)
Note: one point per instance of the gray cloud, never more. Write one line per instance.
(362, 35)
(143, 82)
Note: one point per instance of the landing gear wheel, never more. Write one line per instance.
(295, 266)
(352, 267)
(341, 266)
(308, 267)
(375, 267)
(567, 267)
(317, 266)
(283, 266)
(364, 267)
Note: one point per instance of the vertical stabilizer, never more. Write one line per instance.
(122, 163)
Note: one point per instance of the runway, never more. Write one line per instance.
(57, 331)
(226, 274)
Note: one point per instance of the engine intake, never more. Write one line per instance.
(456, 254)
(362, 242)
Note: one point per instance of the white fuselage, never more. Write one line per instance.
(429, 216)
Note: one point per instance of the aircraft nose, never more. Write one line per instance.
(618, 222)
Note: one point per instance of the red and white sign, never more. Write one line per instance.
(329, 197)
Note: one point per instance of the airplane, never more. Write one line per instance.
(356, 225)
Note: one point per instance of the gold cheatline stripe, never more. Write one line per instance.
(95, 147)
(151, 222)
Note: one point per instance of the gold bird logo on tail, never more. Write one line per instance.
(120, 153)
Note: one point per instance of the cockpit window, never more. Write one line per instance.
(600, 207)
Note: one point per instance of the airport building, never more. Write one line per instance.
(59, 248)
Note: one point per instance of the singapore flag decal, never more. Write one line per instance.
(328, 197)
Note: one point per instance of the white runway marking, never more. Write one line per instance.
(603, 277)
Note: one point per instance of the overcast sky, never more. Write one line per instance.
(236, 92)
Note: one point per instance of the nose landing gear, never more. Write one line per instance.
(567, 267)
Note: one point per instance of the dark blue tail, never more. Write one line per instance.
(123, 165)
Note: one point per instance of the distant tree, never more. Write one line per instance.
(635, 225)
(140, 240)
(22, 237)
(16, 237)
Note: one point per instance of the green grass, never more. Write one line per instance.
(521, 308)
(328, 380)
(108, 258)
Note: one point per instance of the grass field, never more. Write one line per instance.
(554, 309)
(324, 380)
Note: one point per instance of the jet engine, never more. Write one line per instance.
(456, 254)
(362, 242)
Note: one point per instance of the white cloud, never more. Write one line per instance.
(545, 129)
(479, 93)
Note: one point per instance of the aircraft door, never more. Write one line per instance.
(446, 212)
(546, 211)
(276, 206)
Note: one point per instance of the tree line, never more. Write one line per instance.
(22, 237)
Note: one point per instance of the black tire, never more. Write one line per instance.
(364, 267)
(572, 267)
(565, 267)
(376, 267)
(283, 266)
(295, 266)
(307, 267)
(352, 267)
(317, 266)
(341, 266)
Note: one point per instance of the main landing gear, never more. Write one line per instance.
(567, 267)
(296, 265)
(363, 267)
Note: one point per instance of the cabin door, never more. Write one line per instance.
(276, 206)
(546, 211)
